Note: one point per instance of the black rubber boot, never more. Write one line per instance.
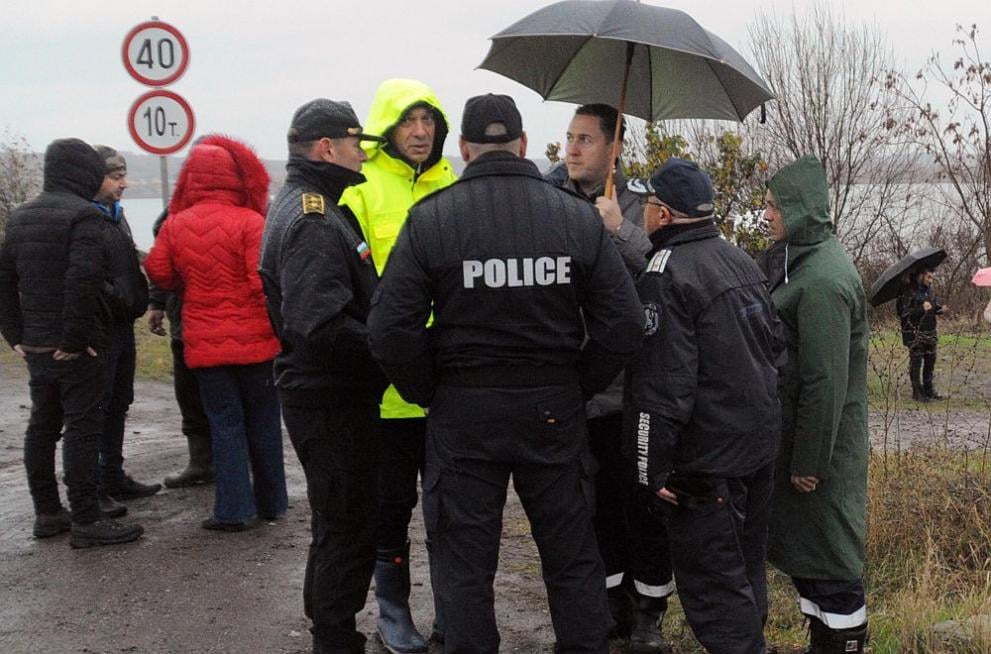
(823, 640)
(646, 635)
(395, 625)
(200, 468)
(622, 606)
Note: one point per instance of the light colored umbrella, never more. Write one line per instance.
(982, 277)
(647, 61)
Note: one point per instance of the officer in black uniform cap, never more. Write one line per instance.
(702, 408)
(318, 277)
(510, 264)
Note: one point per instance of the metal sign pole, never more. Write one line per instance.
(165, 181)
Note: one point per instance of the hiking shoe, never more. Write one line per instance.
(935, 396)
(191, 476)
(109, 507)
(128, 489)
(216, 525)
(104, 532)
(47, 525)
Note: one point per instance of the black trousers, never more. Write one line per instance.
(334, 438)
(476, 439)
(922, 358)
(118, 394)
(401, 460)
(187, 395)
(632, 539)
(69, 394)
(719, 550)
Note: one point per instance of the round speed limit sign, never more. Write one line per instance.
(155, 53)
(161, 122)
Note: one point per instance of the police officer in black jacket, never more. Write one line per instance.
(510, 264)
(702, 409)
(318, 277)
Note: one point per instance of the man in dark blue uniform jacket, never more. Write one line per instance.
(702, 409)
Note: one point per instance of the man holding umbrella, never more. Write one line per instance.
(632, 541)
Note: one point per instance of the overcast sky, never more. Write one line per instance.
(253, 62)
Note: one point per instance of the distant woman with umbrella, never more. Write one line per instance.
(917, 308)
(909, 280)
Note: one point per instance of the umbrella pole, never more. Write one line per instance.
(617, 144)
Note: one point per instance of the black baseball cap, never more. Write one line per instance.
(681, 185)
(326, 118)
(484, 110)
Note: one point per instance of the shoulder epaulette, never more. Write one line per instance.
(658, 262)
(314, 203)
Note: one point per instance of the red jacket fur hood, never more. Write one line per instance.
(207, 251)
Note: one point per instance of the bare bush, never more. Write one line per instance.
(20, 175)
(956, 139)
(831, 101)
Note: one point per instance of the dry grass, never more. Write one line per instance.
(929, 546)
(928, 554)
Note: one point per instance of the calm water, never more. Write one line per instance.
(141, 215)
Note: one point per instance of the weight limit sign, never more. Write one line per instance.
(161, 122)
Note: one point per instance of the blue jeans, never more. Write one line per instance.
(245, 423)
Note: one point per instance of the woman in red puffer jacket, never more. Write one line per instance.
(207, 252)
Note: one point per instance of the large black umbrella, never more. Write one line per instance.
(648, 61)
(888, 285)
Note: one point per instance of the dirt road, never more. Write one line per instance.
(181, 589)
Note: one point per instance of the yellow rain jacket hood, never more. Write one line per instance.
(394, 184)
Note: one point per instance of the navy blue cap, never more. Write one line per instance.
(326, 118)
(484, 110)
(681, 185)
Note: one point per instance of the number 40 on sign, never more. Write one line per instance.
(155, 53)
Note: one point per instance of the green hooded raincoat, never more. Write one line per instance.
(820, 298)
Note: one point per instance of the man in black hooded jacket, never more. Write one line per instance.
(54, 315)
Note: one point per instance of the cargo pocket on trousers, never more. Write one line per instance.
(432, 501)
(588, 468)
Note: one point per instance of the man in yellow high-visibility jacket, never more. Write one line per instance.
(399, 172)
